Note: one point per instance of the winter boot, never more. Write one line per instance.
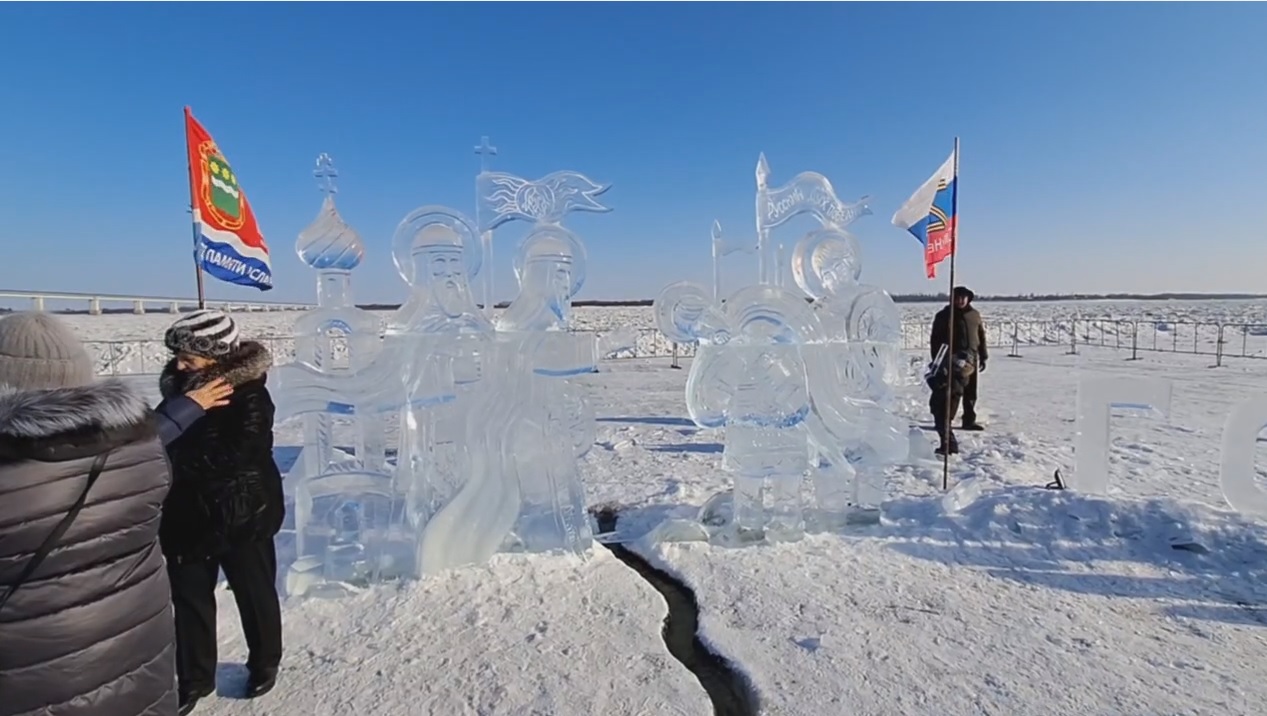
(189, 698)
(260, 682)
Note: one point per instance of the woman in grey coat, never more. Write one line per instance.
(86, 621)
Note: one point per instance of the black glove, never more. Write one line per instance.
(981, 366)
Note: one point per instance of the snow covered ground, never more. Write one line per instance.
(1028, 601)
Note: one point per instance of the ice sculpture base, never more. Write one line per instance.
(862, 516)
(307, 578)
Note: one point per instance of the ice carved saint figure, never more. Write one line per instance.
(550, 267)
(524, 425)
(558, 427)
(436, 251)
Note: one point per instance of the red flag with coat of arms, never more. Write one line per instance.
(230, 246)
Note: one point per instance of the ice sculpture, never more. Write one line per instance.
(556, 427)
(856, 431)
(491, 427)
(347, 508)
(1097, 397)
(807, 193)
(1100, 396)
(749, 376)
(502, 198)
(721, 249)
(854, 428)
(1237, 472)
(436, 251)
(797, 386)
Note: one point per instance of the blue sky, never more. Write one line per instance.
(1106, 147)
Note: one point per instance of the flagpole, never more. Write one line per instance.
(950, 350)
(202, 298)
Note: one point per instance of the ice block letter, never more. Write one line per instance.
(1236, 469)
(1098, 396)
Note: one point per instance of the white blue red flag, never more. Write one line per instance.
(930, 216)
(230, 245)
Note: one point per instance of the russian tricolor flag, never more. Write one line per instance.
(930, 215)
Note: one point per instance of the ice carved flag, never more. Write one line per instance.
(230, 246)
(809, 192)
(506, 197)
(929, 215)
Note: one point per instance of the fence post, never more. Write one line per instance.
(675, 364)
(1218, 349)
(1016, 342)
(1073, 337)
(1134, 340)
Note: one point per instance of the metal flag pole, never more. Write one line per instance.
(202, 298)
(950, 351)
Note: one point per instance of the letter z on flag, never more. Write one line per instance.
(230, 245)
(930, 216)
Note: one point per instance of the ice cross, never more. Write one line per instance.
(325, 174)
(485, 150)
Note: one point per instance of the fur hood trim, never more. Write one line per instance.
(249, 362)
(102, 407)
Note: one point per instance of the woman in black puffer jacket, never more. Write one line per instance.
(225, 507)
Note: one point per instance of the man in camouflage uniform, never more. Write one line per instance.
(978, 353)
(973, 349)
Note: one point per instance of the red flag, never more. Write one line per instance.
(231, 247)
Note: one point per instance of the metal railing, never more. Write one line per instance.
(140, 357)
(139, 304)
(1214, 338)
(1221, 340)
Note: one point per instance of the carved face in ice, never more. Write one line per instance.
(550, 272)
(440, 265)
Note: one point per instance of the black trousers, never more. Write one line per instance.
(251, 570)
(970, 400)
(937, 406)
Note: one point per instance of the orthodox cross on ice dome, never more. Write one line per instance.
(485, 150)
(326, 174)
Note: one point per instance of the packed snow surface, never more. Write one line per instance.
(1150, 600)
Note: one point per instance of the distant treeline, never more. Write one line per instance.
(897, 297)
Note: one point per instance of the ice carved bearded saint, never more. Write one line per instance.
(436, 251)
(437, 263)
